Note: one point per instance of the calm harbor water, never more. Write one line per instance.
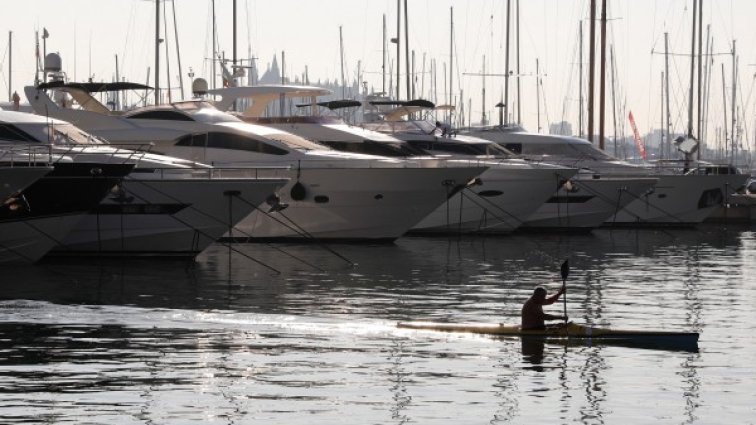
(225, 340)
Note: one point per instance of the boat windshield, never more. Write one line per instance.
(68, 134)
(296, 142)
(211, 115)
(369, 147)
(402, 127)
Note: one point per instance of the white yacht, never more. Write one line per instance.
(165, 206)
(38, 217)
(678, 199)
(502, 198)
(332, 195)
(562, 210)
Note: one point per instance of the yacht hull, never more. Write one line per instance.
(28, 240)
(15, 179)
(506, 196)
(679, 200)
(47, 210)
(588, 204)
(169, 217)
(360, 204)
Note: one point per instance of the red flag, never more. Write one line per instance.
(638, 141)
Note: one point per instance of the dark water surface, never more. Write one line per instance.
(224, 340)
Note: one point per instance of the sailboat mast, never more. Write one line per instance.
(602, 77)
(383, 67)
(398, 49)
(538, 95)
(117, 78)
(483, 119)
(341, 55)
(661, 122)
(614, 96)
(282, 97)
(233, 60)
(422, 78)
(580, 83)
(733, 111)
(407, 50)
(10, 66)
(517, 54)
(212, 56)
(707, 88)
(506, 67)
(668, 146)
(724, 109)
(700, 55)
(591, 67)
(157, 52)
(434, 75)
(692, 69)
(178, 51)
(451, 56)
(167, 55)
(413, 75)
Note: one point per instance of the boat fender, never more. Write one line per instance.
(298, 192)
(477, 181)
(570, 187)
(274, 201)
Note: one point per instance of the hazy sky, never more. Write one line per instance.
(90, 33)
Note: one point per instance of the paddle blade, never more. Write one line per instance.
(565, 269)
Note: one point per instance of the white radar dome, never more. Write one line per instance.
(53, 63)
(199, 87)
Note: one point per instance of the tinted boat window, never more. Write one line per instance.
(11, 133)
(514, 147)
(229, 141)
(161, 115)
(447, 146)
(368, 147)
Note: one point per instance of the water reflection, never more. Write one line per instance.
(506, 385)
(398, 376)
(594, 386)
(224, 340)
(532, 352)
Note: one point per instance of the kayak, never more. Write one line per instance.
(665, 340)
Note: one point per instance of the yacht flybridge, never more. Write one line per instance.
(679, 198)
(500, 201)
(331, 195)
(165, 206)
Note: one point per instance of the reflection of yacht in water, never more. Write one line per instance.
(331, 195)
(165, 206)
(502, 198)
(679, 198)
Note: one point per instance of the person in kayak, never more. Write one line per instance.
(533, 316)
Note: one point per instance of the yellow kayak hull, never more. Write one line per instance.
(686, 341)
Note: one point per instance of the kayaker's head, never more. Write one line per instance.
(539, 294)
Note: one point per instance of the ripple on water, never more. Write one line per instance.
(219, 341)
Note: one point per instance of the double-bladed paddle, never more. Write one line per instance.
(565, 273)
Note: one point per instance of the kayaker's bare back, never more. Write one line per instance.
(533, 316)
